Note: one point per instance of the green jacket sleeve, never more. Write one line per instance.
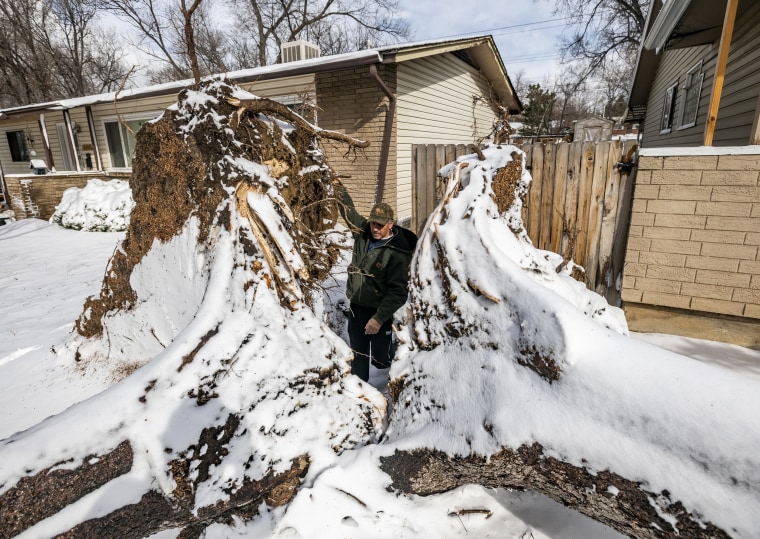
(347, 209)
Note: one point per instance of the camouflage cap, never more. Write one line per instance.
(381, 213)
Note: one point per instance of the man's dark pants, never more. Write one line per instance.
(363, 345)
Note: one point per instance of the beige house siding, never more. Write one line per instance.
(436, 105)
(288, 90)
(694, 241)
(350, 101)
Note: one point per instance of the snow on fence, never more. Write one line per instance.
(578, 205)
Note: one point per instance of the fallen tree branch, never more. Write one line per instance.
(264, 106)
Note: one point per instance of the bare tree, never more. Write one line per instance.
(605, 39)
(158, 35)
(50, 50)
(337, 25)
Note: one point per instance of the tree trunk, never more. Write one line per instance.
(606, 497)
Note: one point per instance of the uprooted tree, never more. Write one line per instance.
(210, 289)
(243, 393)
(500, 382)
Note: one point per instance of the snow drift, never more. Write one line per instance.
(509, 368)
(238, 391)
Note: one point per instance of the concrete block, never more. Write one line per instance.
(735, 194)
(742, 252)
(739, 162)
(666, 300)
(680, 221)
(717, 306)
(675, 246)
(685, 192)
(646, 284)
(663, 259)
(670, 273)
(712, 263)
(739, 224)
(718, 236)
(723, 278)
(728, 209)
(730, 177)
(671, 207)
(676, 177)
(690, 162)
(709, 291)
(666, 233)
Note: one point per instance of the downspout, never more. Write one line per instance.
(93, 137)
(46, 143)
(387, 132)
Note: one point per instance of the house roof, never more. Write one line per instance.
(481, 50)
(671, 24)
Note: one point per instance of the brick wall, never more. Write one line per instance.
(694, 240)
(350, 101)
(46, 191)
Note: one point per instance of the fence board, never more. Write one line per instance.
(584, 202)
(578, 203)
(547, 195)
(609, 217)
(534, 210)
(558, 204)
(570, 231)
(595, 212)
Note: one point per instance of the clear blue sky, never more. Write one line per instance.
(526, 31)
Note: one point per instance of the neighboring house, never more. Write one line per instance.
(448, 91)
(693, 258)
(593, 129)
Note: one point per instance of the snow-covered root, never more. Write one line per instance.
(513, 375)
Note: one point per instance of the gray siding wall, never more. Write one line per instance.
(674, 66)
(739, 98)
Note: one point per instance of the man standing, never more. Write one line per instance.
(377, 280)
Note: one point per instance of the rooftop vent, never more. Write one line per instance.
(294, 51)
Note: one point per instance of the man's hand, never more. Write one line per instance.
(372, 327)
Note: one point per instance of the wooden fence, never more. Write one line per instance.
(578, 205)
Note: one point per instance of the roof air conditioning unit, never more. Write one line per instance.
(294, 51)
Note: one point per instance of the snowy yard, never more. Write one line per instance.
(48, 271)
(211, 370)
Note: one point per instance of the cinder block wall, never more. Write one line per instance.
(350, 101)
(46, 191)
(694, 241)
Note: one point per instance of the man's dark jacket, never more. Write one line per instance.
(377, 279)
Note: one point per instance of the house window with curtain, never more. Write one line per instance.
(17, 144)
(120, 137)
(692, 89)
(668, 109)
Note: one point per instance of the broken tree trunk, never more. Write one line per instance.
(513, 375)
(232, 389)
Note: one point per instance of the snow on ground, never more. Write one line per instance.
(46, 272)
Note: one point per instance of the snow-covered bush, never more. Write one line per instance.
(101, 206)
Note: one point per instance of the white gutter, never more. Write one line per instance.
(666, 21)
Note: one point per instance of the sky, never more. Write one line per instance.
(526, 32)
(206, 315)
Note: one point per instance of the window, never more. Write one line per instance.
(17, 144)
(692, 89)
(121, 141)
(668, 108)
